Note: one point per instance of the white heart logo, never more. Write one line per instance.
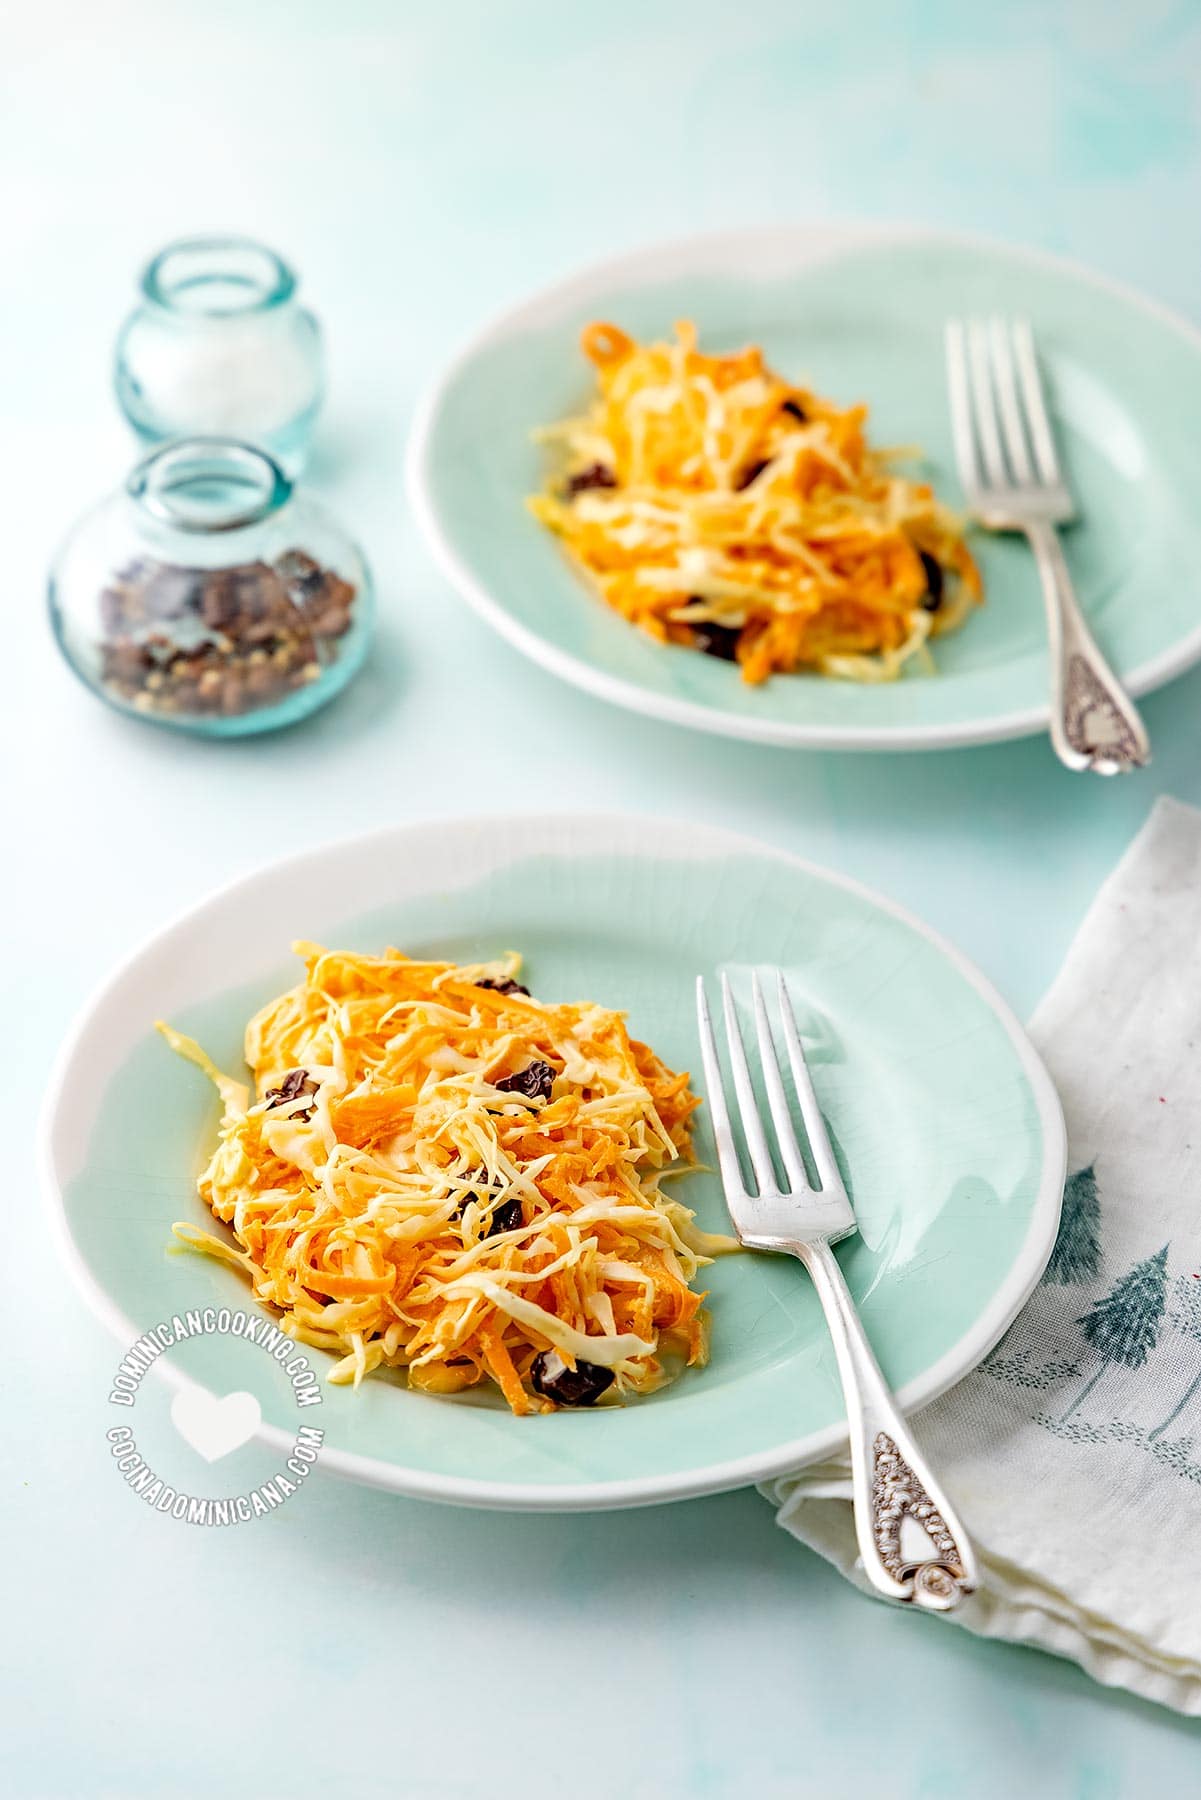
(215, 1427)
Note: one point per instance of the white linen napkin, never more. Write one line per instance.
(1074, 1450)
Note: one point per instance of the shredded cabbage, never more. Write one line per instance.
(439, 1173)
(715, 505)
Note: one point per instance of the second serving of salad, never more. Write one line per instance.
(718, 506)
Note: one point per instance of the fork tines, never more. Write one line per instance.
(779, 1175)
(1002, 432)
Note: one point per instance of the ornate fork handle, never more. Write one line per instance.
(1093, 723)
(890, 1478)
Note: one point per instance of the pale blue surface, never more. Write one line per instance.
(423, 165)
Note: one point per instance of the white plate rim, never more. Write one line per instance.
(717, 1477)
(663, 258)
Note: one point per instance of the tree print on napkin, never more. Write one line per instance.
(1077, 1252)
(1124, 1326)
(1075, 1257)
(1050, 1343)
(1185, 1314)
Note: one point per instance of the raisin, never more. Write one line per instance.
(717, 640)
(506, 1217)
(933, 599)
(503, 984)
(751, 474)
(296, 1083)
(797, 411)
(596, 475)
(533, 1082)
(581, 1386)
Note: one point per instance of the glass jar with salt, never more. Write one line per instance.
(220, 345)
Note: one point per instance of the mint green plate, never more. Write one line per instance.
(947, 1124)
(860, 313)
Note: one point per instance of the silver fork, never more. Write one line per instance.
(1010, 472)
(893, 1488)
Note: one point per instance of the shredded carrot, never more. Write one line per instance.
(504, 1369)
(716, 505)
(433, 1171)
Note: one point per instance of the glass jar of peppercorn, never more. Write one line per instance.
(210, 596)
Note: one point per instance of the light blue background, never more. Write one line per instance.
(425, 165)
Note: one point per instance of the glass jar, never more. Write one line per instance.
(208, 595)
(220, 345)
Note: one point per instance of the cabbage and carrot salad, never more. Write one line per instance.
(435, 1171)
(716, 505)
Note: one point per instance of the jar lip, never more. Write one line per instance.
(238, 262)
(257, 486)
